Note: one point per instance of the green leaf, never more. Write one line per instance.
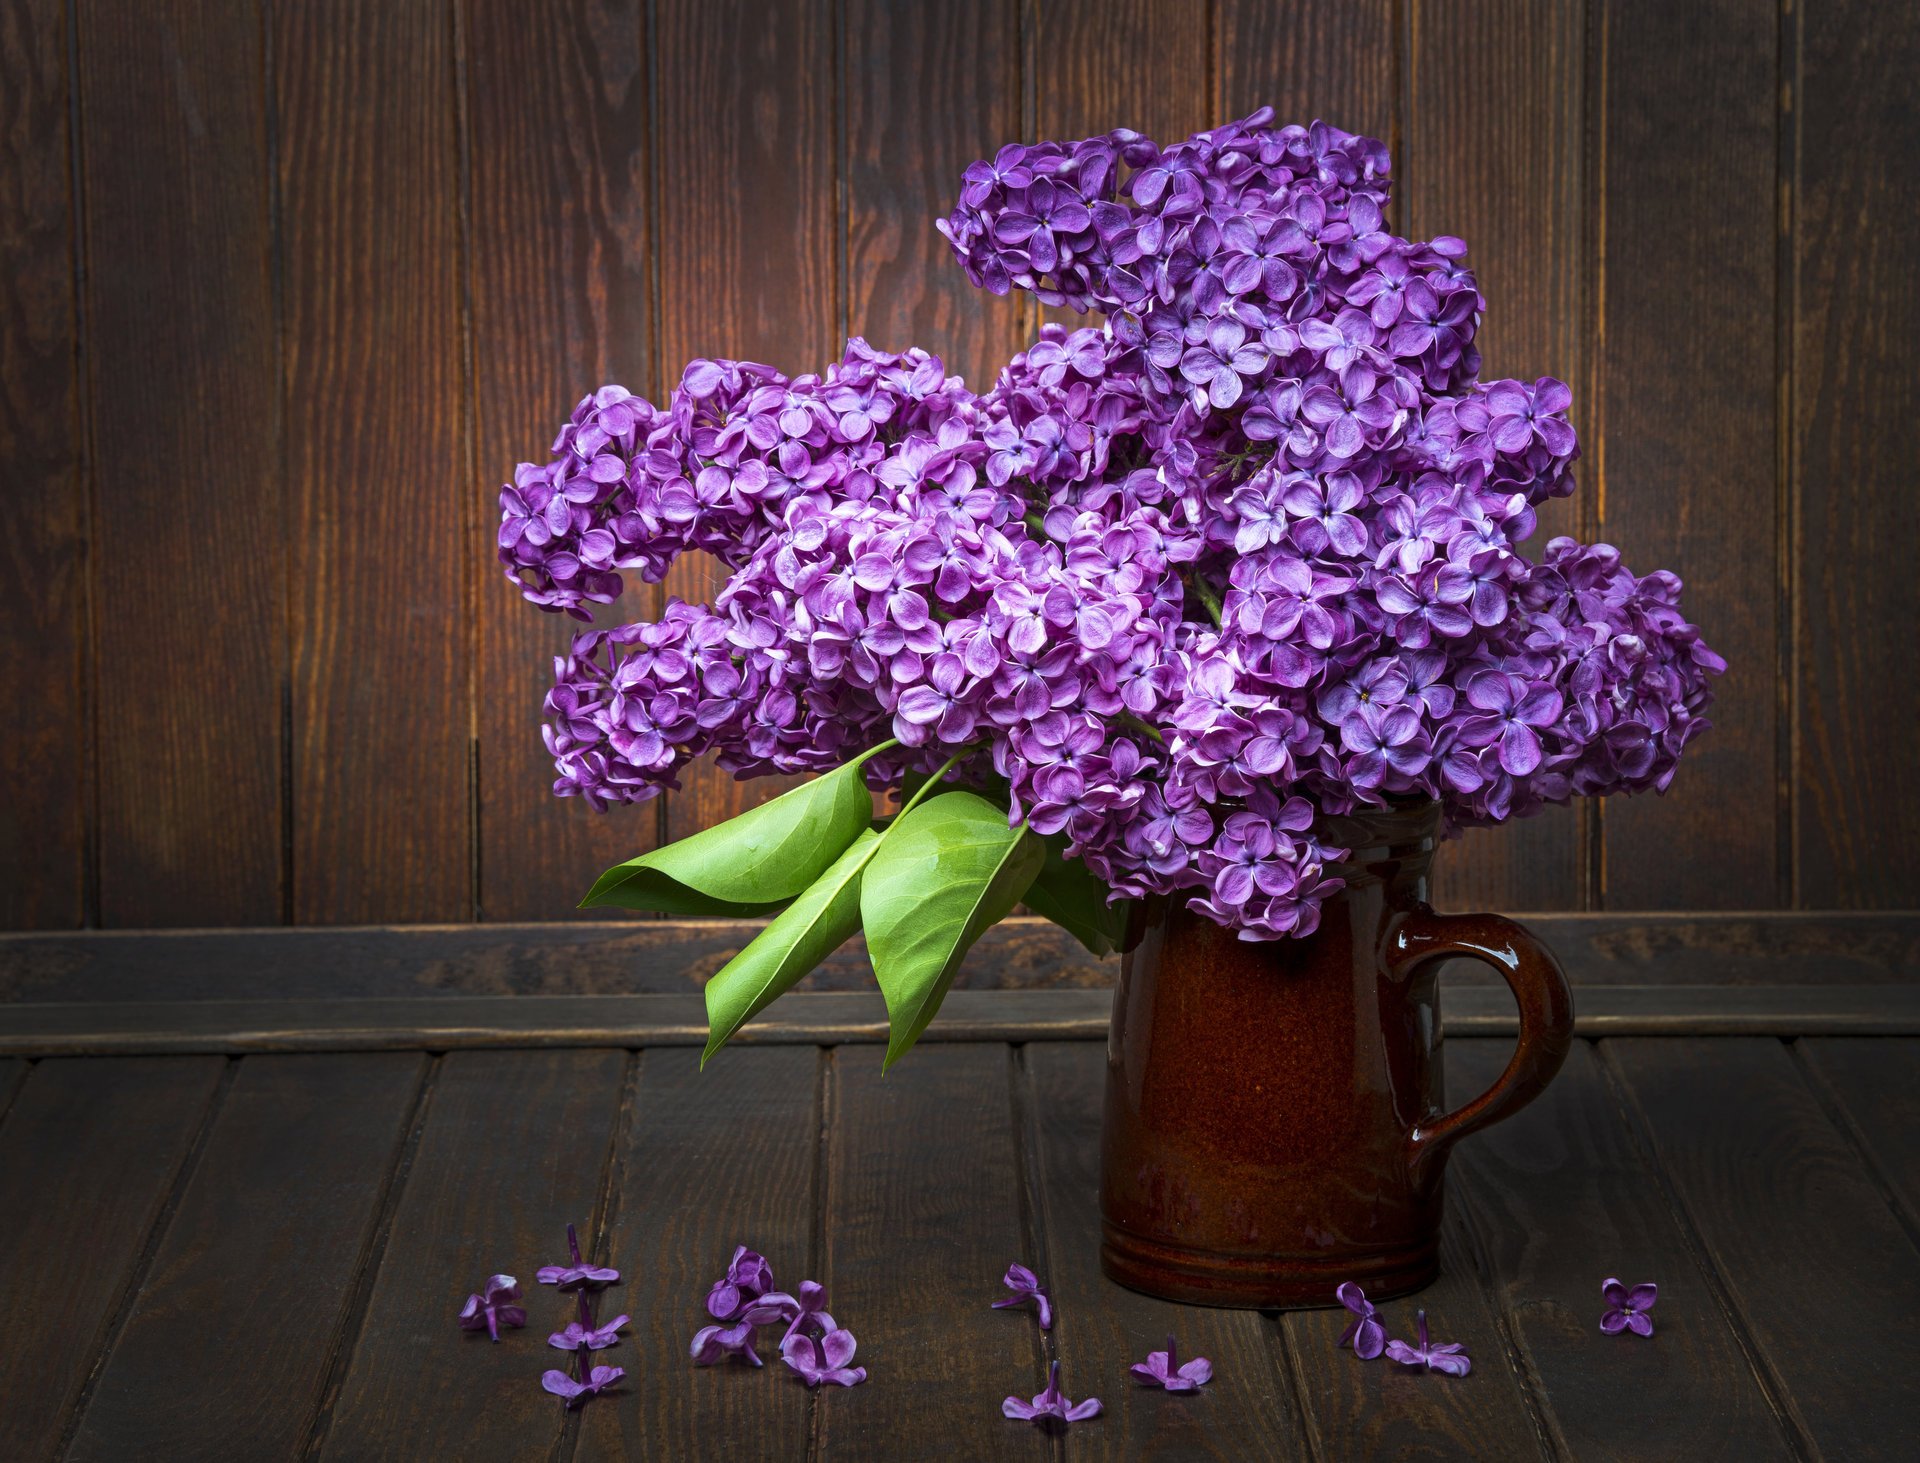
(946, 871)
(1074, 897)
(752, 864)
(797, 939)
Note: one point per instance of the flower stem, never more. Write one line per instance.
(1203, 592)
(934, 781)
(1127, 718)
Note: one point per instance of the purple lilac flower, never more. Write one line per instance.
(801, 1312)
(748, 1275)
(1026, 1286)
(1627, 1309)
(1364, 1333)
(497, 1305)
(716, 1343)
(575, 1393)
(1164, 1369)
(1449, 1357)
(1252, 545)
(578, 1274)
(1051, 1404)
(825, 1360)
(587, 1336)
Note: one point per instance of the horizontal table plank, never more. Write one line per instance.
(831, 1018)
(638, 957)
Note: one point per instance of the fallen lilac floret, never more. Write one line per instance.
(1051, 1404)
(1163, 1369)
(1627, 1309)
(748, 1275)
(825, 1360)
(1026, 1286)
(574, 1393)
(592, 1338)
(716, 1343)
(801, 1313)
(495, 1306)
(1365, 1335)
(572, 1277)
(1450, 1357)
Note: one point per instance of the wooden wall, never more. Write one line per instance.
(287, 288)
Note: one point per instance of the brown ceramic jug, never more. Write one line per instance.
(1273, 1121)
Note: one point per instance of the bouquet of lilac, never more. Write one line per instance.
(1168, 593)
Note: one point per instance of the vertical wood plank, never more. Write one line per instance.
(384, 516)
(1684, 453)
(512, 1150)
(710, 1161)
(1794, 1226)
(190, 563)
(247, 1289)
(930, 85)
(1494, 152)
(1875, 1081)
(1380, 1409)
(1328, 59)
(1854, 377)
(1101, 1328)
(1123, 63)
(556, 96)
(748, 235)
(88, 1154)
(42, 513)
(1562, 1198)
(1102, 64)
(923, 1201)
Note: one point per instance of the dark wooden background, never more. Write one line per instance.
(288, 288)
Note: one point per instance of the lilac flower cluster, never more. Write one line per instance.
(1246, 556)
(743, 1299)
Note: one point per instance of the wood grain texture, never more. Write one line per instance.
(562, 286)
(512, 1150)
(1494, 151)
(1876, 1087)
(99, 1028)
(1380, 1409)
(183, 372)
(1795, 1227)
(1101, 1328)
(383, 521)
(1856, 316)
(1333, 60)
(1091, 73)
(1684, 452)
(1124, 63)
(42, 510)
(659, 956)
(88, 1154)
(1560, 1197)
(924, 1192)
(930, 85)
(710, 1160)
(251, 1280)
(748, 236)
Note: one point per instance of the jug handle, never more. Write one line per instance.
(1546, 1014)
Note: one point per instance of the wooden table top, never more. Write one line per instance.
(207, 1256)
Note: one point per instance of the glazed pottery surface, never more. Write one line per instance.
(1273, 1110)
